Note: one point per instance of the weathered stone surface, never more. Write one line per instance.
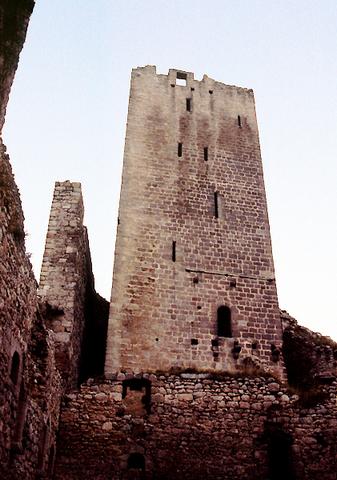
(165, 303)
(79, 315)
(164, 423)
(184, 439)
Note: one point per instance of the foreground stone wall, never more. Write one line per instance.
(30, 389)
(195, 426)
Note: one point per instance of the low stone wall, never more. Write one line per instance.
(195, 426)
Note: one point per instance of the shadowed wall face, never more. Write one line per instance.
(193, 233)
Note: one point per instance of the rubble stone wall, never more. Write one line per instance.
(311, 358)
(30, 389)
(195, 426)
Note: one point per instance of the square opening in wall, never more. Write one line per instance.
(194, 341)
(181, 79)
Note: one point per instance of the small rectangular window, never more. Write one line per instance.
(189, 104)
(239, 121)
(174, 244)
(206, 154)
(216, 205)
(180, 149)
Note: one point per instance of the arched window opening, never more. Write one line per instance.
(15, 367)
(136, 461)
(137, 395)
(224, 322)
(20, 420)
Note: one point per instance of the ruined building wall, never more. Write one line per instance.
(193, 232)
(67, 284)
(310, 358)
(197, 427)
(30, 389)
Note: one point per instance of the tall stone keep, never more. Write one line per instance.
(193, 284)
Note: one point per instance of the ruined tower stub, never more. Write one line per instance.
(193, 283)
(63, 276)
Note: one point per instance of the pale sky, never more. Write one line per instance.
(67, 113)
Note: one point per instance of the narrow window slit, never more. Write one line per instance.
(206, 154)
(216, 205)
(180, 149)
(174, 245)
(51, 461)
(189, 104)
(239, 121)
(15, 367)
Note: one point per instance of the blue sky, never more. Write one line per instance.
(67, 113)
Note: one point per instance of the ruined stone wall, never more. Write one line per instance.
(195, 426)
(66, 282)
(14, 18)
(310, 358)
(193, 231)
(30, 424)
(30, 389)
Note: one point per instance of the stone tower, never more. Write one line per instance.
(193, 284)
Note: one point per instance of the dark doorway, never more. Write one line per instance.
(224, 322)
(279, 454)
